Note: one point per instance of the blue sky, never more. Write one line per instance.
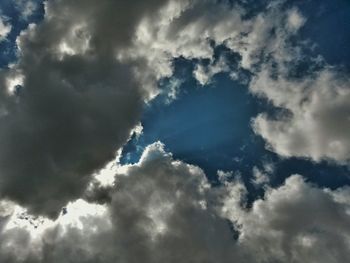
(210, 126)
(174, 131)
(14, 16)
(213, 130)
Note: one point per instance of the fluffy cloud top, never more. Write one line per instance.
(162, 209)
(318, 121)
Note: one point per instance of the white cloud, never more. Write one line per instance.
(318, 120)
(13, 81)
(295, 20)
(204, 74)
(260, 178)
(85, 83)
(189, 29)
(182, 29)
(5, 28)
(296, 223)
(313, 101)
(162, 210)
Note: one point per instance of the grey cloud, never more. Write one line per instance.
(164, 210)
(77, 106)
(80, 100)
(157, 213)
(296, 222)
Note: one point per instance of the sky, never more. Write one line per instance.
(174, 131)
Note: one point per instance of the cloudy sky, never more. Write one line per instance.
(199, 131)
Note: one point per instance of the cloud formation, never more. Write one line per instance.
(315, 97)
(75, 104)
(5, 28)
(162, 209)
(84, 74)
(317, 122)
(76, 94)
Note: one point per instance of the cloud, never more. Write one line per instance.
(157, 213)
(260, 177)
(183, 29)
(296, 222)
(162, 209)
(75, 96)
(295, 20)
(205, 74)
(76, 104)
(313, 95)
(5, 28)
(189, 29)
(80, 84)
(26, 7)
(318, 115)
(315, 98)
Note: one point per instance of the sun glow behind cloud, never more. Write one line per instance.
(173, 131)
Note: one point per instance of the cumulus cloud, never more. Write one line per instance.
(192, 30)
(162, 209)
(84, 73)
(315, 99)
(157, 213)
(75, 106)
(296, 222)
(318, 121)
(76, 94)
(183, 29)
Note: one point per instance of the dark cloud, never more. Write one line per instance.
(78, 103)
